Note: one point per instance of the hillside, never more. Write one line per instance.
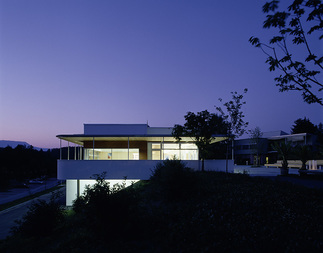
(13, 144)
(201, 212)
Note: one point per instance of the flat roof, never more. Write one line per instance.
(81, 138)
(125, 132)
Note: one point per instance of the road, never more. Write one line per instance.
(18, 193)
(8, 216)
(261, 171)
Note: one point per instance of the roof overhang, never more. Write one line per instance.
(80, 139)
(290, 137)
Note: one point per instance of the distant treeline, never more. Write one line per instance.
(22, 163)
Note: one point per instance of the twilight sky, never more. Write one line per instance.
(68, 62)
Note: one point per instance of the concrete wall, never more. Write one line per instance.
(159, 131)
(118, 169)
(115, 129)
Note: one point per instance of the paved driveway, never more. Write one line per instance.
(17, 193)
(8, 216)
(261, 171)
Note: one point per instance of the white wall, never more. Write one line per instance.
(115, 129)
(119, 169)
(159, 131)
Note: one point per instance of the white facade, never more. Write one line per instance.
(128, 151)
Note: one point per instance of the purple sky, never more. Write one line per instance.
(67, 62)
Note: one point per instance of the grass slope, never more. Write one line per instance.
(209, 212)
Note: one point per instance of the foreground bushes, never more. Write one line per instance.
(217, 212)
(41, 218)
(106, 210)
(172, 181)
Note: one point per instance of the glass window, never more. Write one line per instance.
(171, 145)
(171, 154)
(133, 154)
(119, 154)
(102, 154)
(99, 154)
(155, 145)
(112, 154)
(156, 155)
(189, 155)
(188, 146)
(183, 151)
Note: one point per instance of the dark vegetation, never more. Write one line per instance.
(22, 163)
(202, 128)
(41, 218)
(290, 51)
(180, 210)
(306, 126)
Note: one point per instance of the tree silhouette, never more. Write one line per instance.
(233, 114)
(298, 26)
(202, 128)
(256, 135)
(303, 126)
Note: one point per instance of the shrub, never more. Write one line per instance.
(41, 218)
(104, 206)
(94, 195)
(172, 180)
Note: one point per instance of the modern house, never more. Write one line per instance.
(246, 150)
(124, 151)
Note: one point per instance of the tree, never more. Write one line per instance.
(256, 135)
(303, 126)
(284, 150)
(171, 180)
(319, 134)
(105, 206)
(234, 116)
(304, 153)
(41, 218)
(201, 128)
(300, 24)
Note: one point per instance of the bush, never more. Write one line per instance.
(104, 206)
(172, 180)
(41, 218)
(94, 196)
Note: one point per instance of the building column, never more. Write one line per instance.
(60, 149)
(81, 153)
(162, 150)
(128, 149)
(77, 187)
(93, 147)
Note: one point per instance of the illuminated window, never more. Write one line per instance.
(189, 155)
(171, 146)
(112, 154)
(171, 154)
(188, 146)
(155, 145)
(155, 155)
(183, 151)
